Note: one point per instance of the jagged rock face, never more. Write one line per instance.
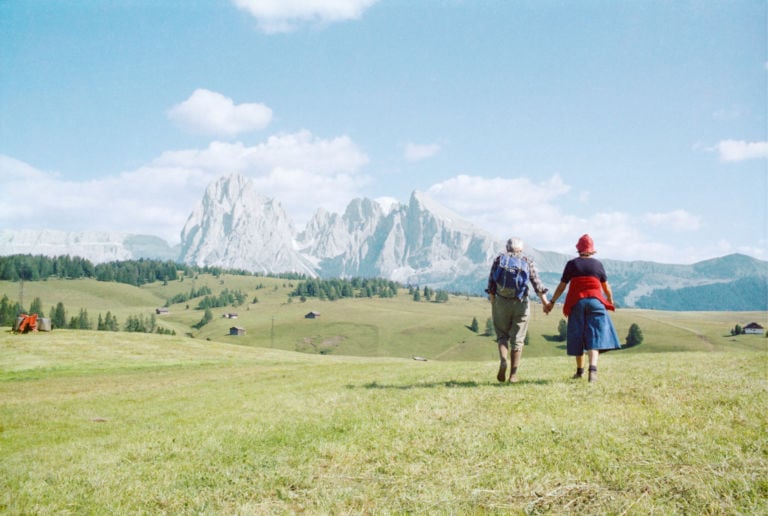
(421, 242)
(425, 243)
(415, 243)
(235, 227)
(341, 241)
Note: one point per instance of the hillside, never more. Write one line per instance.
(394, 327)
(105, 423)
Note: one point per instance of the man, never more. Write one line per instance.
(508, 291)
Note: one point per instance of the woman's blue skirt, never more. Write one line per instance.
(590, 327)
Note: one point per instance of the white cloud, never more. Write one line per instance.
(287, 15)
(677, 219)
(416, 152)
(304, 172)
(301, 150)
(735, 150)
(508, 206)
(208, 112)
(301, 171)
(544, 214)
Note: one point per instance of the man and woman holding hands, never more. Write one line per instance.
(590, 329)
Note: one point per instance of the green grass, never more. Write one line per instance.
(396, 327)
(99, 423)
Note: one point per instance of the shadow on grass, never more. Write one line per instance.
(448, 384)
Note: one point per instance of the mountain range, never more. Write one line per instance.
(419, 243)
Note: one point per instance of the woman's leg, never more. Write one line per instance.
(579, 367)
(575, 337)
(593, 355)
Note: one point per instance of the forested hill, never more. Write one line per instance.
(731, 283)
(132, 272)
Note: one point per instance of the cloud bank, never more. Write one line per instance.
(300, 170)
(275, 16)
(531, 210)
(305, 172)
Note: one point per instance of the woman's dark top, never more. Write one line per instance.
(583, 267)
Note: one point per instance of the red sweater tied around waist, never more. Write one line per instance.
(582, 287)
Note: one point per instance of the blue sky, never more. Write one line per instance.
(642, 123)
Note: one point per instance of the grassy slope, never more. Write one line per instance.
(372, 327)
(92, 422)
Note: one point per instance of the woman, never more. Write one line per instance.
(589, 297)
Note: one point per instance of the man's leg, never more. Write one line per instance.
(501, 323)
(503, 352)
(517, 332)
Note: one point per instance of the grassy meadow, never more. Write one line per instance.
(373, 327)
(332, 416)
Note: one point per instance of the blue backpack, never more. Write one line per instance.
(511, 276)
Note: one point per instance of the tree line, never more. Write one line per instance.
(429, 294)
(26, 267)
(332, 289)
(59, 318)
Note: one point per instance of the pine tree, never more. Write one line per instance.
(7, 312)
(82, 321)
(475, 326)
(489, 327)
(37, 307)
(113, 326)
(207, 317)
(562, 330)
(635, 336)
(59, 316)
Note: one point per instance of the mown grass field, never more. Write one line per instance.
(100, 423)
(332, 416)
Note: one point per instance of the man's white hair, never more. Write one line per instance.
(514, 244)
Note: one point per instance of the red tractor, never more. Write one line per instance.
(25, 323)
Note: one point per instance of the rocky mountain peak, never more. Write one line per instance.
(236, 227)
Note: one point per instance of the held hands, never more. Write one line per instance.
(547, 306)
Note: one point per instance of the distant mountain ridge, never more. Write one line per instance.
(96, 246)
(420, 242)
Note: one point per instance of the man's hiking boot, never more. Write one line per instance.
(516, 355)
(502, 374)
